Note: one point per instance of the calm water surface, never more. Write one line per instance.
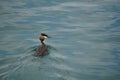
(85, 43)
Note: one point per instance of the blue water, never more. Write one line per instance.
(85, 43)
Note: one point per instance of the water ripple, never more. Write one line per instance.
(84, 44)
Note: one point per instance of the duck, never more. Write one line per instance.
(42, 50)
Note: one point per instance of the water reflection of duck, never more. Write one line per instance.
(42, 50)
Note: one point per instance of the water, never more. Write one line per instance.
(85, 43)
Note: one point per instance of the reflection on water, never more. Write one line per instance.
(85, 43)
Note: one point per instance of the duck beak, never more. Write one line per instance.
(48, 37)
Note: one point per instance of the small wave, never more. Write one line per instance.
(33, 49)
(51, 48)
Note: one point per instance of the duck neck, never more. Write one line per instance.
(42, 42)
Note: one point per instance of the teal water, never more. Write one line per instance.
(85, 43)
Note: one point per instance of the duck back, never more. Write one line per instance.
(42, 50)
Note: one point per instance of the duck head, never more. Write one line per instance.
(43, 36)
